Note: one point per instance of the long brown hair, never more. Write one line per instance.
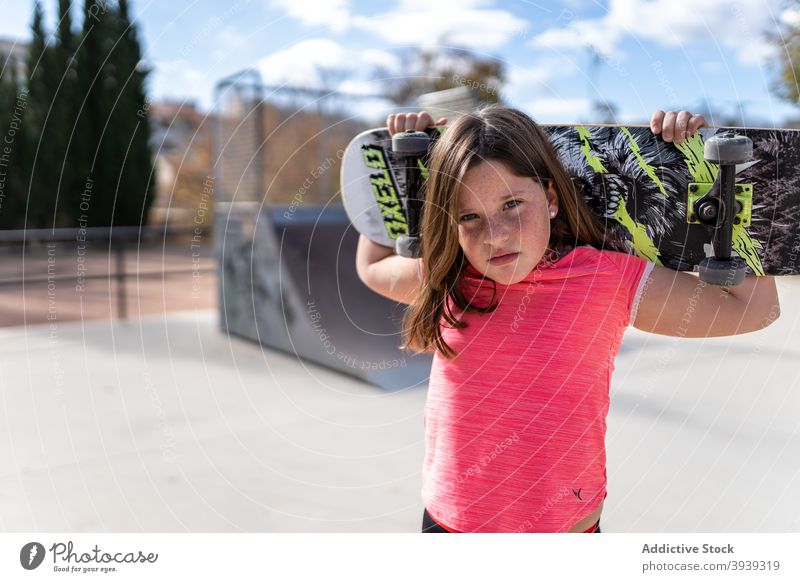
(498, 133)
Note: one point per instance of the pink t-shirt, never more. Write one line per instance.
(515, 425)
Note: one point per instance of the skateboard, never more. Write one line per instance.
(725, 202)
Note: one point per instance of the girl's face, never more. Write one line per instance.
(503, 221)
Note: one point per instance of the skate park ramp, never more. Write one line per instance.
(288, 281)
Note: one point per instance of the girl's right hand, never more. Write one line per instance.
(397, 122)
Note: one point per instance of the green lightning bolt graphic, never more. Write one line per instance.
(642, 244)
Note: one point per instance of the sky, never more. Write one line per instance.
(649, 54)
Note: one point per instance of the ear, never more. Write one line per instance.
(552, 195)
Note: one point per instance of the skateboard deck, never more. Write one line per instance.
(643, 186)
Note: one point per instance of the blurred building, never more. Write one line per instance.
(181, 138)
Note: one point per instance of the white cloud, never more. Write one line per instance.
(471, 23)
(531, 77)
(450, 5)
(373, 110)
(735, 25)
(176, 79)
(579, 34)
(180, 71)
(303, 64)
(331, 13)
(325, 64)
(791, 16)
(442, 23)
(379, 58)
(757, 52)
(522, 82)
(558, 110)
(356, 87)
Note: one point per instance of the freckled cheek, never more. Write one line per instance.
(471, 240)
(468, 236)
(534, 222)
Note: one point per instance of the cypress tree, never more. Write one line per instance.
(135, 191)
(87, 121)
(64, 114)
(13, 158)
(96, 175)
(39, 209)
(6, 205)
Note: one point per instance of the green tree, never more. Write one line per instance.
(13, 155)
(87, 159)
(117, 180)
(93, 141)
(64, 113)
(43, 183)
(135, 191)
(786, 40)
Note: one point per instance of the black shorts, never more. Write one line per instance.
(430, 526)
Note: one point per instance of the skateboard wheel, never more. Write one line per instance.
(408, 246)
(728, 148)
(725, 273)
(411, 143)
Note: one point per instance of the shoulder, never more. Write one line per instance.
(628, 268)
(589, 257)
(621, 261)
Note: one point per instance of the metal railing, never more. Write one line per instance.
(118, 238)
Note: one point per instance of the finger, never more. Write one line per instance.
(424, 121)
(656, 121)
(390, 123)
(696, 122)
(411, 122)
(399, 123)
(668, 125)
(681, 126)
(441, 121)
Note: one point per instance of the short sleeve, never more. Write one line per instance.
(633, 272)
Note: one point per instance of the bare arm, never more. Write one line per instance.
(390, 275)
(679, 304)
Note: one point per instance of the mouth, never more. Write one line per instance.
(503, 258)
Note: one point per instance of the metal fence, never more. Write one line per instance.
(119, 240)
(282, 145)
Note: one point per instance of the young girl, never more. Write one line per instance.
(524, 302)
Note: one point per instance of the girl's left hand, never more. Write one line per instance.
(676, 127)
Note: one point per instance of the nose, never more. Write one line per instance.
(499, 230)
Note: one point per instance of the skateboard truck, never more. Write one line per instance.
(719, 208)
(412, 146)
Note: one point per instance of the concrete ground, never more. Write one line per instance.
(164, 424)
